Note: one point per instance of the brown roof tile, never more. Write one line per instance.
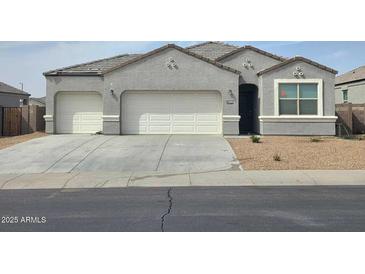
(212, 50)
(354, 75)
(188, 52)
(5, 88)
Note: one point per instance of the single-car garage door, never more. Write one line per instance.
(79, 112)
(171, 112)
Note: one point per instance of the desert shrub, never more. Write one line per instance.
(276, 157)
(255, 139)
(315, 139)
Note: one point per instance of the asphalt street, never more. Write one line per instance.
(304, 208)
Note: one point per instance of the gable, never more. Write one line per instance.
(296, 59)
(171, 69)
(183, 51)
(249, 62)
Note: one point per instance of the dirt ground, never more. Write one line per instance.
(6, 141)
(299, 153)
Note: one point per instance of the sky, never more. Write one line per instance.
(26, 61)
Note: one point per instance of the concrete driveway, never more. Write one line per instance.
(162, 153)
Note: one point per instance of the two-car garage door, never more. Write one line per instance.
(171, 112)
(143, 112)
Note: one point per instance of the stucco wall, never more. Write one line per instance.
(149, 74)
(11, 100)
(249, 74)
(355, 91)
(153, 74)
(266, 85)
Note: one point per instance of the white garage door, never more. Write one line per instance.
(164, 112)
(79, 112)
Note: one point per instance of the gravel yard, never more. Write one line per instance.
(299, 153)
(6, 141)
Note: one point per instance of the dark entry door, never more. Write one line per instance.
(246, 109)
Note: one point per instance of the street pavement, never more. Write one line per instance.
(248, 208)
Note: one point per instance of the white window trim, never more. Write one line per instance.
(319, 83)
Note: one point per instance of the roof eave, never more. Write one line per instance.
(78, 73)
(273, 56)
(155, 51)
(295, 59)
(16, 93)
(349, 82)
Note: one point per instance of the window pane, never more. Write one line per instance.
(288, 107)
(308, 107)
(345, 95)
(288, 90)
(308, 90)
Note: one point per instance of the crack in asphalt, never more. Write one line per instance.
(168, 210)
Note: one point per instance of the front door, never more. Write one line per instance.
(246, 109)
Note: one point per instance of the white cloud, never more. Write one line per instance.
(339, 54)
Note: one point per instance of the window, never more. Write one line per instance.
(298, 98)
(345, 96)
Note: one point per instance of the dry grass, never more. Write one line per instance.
(300, 153)
(10, 141)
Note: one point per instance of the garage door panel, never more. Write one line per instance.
(78, 112)
(152, 112)
(160, 117)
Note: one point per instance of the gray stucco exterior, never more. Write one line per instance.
(355, 92)
(12, 99)
(149, 74)
(196, 74)
(323, 125)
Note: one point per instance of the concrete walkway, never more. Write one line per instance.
(159, 179)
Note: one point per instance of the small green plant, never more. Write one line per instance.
(255, 139)
(315, 139)
(276, 157)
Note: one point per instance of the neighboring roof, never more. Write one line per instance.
(295, 59)
(212, 50)
(97, 67)
(41, 100)
(5, 88)
(153, 52)
(279, 58)
(354, 75)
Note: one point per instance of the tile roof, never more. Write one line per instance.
(212, 50)
(40, 99)
(5, 88)
(96, 67)
(280, 58)
(294, 59)
(186, 51)
(354, 75)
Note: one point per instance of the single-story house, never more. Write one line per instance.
(350, 87)
(209, 88)
(41, 101)
(12, 97)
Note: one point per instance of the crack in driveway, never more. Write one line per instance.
(168, 210)
(163, 150)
